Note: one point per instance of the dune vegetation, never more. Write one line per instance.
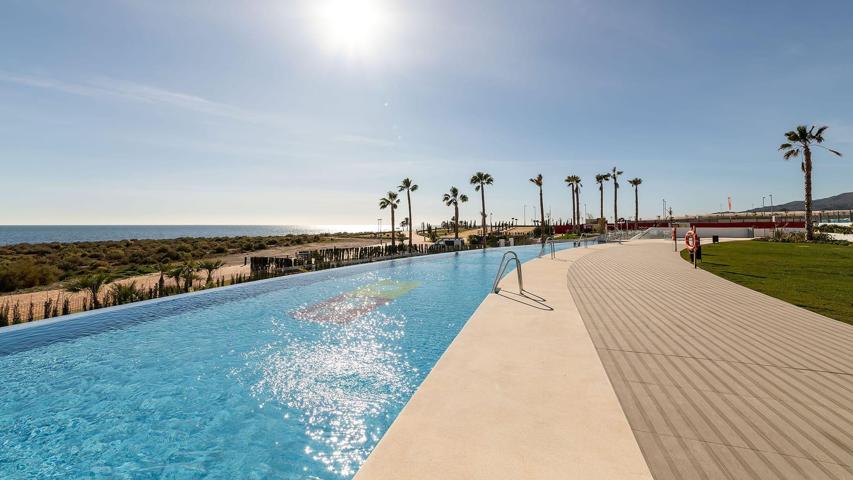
(25, 266)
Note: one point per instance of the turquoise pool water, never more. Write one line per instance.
(295, 377)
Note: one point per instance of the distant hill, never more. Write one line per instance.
(843, 201)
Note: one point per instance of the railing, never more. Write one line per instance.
(548, 241)
(502, 269)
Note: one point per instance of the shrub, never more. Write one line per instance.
(832, 228)
(25, 273)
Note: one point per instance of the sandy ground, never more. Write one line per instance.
(233, 266)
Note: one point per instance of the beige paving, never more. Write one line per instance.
(519, 394)
(716, 380)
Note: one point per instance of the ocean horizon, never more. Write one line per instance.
(15, 234)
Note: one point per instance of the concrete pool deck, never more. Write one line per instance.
(520, 393)
(634, 366)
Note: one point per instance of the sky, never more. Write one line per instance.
(307, 112)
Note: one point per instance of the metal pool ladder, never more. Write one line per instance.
(548, 241)
(502, 269)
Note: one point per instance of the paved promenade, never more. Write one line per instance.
(716, 380)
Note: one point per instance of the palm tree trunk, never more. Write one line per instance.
(96, 303)
(409, 202)
(636, 208)
(615, 204)
(807, 172)
(483, 201)
(541, 218)
(601, 190)
(456, 221)
(574, 219)
(578, 205)
(393, 229)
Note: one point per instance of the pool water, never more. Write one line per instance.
(294, 377)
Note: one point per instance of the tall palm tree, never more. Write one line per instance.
(578, 186)
(804, 139)
(480, 180)
(614, 175)
(537, 180)
(91, 283)
(573, 181)
(391, 201)
(600, 179)
(409, 186)
(453, 199)
(635, 182)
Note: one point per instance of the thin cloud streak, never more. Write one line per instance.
(136, 92)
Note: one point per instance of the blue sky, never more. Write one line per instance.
(265, 112)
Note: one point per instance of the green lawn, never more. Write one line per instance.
(817, 277)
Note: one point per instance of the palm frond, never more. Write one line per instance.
(792, 153)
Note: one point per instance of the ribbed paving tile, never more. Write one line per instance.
(717, 380)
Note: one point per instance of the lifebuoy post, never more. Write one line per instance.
(675, 238)
(691, 241)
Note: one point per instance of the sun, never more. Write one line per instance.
(352, 27)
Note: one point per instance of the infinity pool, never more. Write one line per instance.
(295, 377)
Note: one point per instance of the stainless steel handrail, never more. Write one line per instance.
(502, 270)
(548, 241)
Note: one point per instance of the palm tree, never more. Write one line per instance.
(635, 182)
(177, 274)
(125, 293)
(480, 180)
(600, 179)
(391, 201)
(453, 198)
(189, 269)
(804, 139)
(409, 186)
(573, 181)
(163, 269)
(91, 283)
(537, 180)
(614, 175)
(210, 266)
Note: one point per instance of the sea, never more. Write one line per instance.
(14, 234)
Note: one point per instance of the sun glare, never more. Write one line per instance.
(353, 27)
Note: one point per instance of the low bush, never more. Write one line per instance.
(832, 228)
(26, 273)
(800, 237)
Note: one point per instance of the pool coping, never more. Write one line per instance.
(520, 393)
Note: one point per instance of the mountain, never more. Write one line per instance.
(843, 201)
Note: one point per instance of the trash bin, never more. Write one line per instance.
(715, 239)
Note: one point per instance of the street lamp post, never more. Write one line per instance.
(381, 242)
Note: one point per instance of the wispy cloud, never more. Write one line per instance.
(135, 92)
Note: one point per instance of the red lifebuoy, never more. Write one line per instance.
(690, 240)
